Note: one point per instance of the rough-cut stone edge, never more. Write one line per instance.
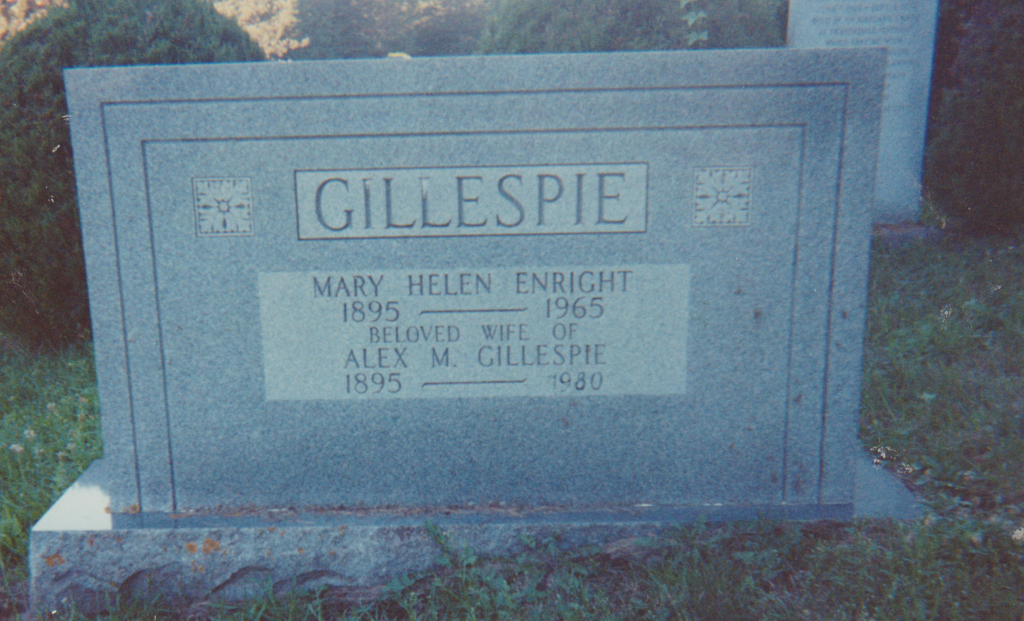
(195, 558)
(88, 569)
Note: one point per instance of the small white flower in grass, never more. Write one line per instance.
(17, 448)
(30, 434)
(51, 406)
(1018, 535)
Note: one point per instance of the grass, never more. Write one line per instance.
(944, 391)
(943, 402)
(49, 433)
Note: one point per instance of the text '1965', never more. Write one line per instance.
(475, 332)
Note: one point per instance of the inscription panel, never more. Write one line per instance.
(477, 332)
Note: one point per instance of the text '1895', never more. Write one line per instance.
(475, 332)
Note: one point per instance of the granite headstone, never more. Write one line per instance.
(907, 29)
(591, 293)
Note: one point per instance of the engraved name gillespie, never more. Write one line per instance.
(488, 200)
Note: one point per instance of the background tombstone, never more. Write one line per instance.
(907, 29)
(593, 294)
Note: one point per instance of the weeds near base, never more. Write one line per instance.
(49, 433)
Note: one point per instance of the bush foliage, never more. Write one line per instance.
(977, 132)
(529, 26)
(374, 28)
(367, 28)
(746, 23)
(43, 297)
(270, 23)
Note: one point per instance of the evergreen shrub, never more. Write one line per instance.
(976, 137)
(374, 28)
(448, 29)
(745, 23)
(532, 26)
(43, 298)
(529, 26)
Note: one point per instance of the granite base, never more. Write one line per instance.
(83, 556)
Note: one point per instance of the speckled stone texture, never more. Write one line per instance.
(594, 282)
(217, 556)
(228, 557)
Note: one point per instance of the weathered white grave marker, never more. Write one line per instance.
(907, 29)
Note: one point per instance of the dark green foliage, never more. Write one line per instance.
(953, 19)
(977, 133)
(337, 29)
(531, 26)
(43, 296)
(443, 31)
(374, 28)
(745, 23)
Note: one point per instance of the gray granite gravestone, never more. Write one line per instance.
(907, 29)
(587, 293)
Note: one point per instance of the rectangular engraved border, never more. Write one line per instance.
(427, 232)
